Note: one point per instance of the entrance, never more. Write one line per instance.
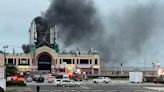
(44, 62)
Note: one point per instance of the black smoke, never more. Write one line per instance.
(122, 34)
(26, 48)
(77, 20)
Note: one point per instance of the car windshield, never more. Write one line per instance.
(65, 81)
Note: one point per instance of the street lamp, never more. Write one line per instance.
(4, 48)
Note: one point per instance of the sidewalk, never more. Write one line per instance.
(155, 88)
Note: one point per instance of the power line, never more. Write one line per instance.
(10, 45)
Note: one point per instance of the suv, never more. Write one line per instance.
(102, 80)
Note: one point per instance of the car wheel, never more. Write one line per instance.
(76, 85)
(64, 85)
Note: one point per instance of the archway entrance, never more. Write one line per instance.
(44, 62)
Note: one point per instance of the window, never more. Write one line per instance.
(84, 61)
(60, 61)
(67, 61)
(15, 61)
(23, 62)
(96, 61)
(10, 61)
(5, 61)
(56, 61)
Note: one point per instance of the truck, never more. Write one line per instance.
(136, 77)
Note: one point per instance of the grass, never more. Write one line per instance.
(11, 90)
(120, 78)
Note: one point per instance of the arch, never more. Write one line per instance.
(44, 61)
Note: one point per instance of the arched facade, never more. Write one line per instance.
(46, 59)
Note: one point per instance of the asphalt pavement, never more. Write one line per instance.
(115, 86)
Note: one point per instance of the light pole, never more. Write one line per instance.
(5, 47)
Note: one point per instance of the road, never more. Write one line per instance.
(116, 86)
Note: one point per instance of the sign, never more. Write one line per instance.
(23, 67)
(2, 69)
(84, 66)
(96, 66)
(40, 62)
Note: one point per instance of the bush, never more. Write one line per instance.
(1, 89)
(15, 83)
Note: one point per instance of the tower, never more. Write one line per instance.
(41, 35)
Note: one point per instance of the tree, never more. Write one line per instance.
(11, 70)
(1, 89)
(1, 51)
(26, 48)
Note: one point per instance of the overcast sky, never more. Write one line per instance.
(15, 19)
(16, 16)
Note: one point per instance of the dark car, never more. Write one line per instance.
(40, 79)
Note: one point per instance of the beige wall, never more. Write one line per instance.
(1, 59)
(55, 57)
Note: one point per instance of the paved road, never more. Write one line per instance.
(117, 86)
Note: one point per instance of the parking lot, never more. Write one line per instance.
(115, 86)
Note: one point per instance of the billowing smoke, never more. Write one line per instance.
(123, 34)
(77, 20)
(26, 48)
(131, 30)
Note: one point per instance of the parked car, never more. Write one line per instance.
(57, 82)
(68, 83)
(51, 79)
(17, 78)
(102, 80)
(39, 79)
(35, 78)
(29, 79)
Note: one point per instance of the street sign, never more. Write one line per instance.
(2, 69)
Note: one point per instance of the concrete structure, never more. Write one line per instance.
(46, 59)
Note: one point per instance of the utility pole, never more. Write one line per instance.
(5, 62)
(121, 69)
(4, 48)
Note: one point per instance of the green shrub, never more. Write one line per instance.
(15, 83)
(1, 90)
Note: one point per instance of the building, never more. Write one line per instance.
(124, 72)
(44, 55)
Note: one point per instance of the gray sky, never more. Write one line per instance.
(16, 16)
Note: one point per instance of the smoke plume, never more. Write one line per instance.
(77, 20)
(122, 34)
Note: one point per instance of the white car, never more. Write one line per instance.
(57, 82)
(68, 83)
(102, 80)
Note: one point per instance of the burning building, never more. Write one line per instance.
(44, 55)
